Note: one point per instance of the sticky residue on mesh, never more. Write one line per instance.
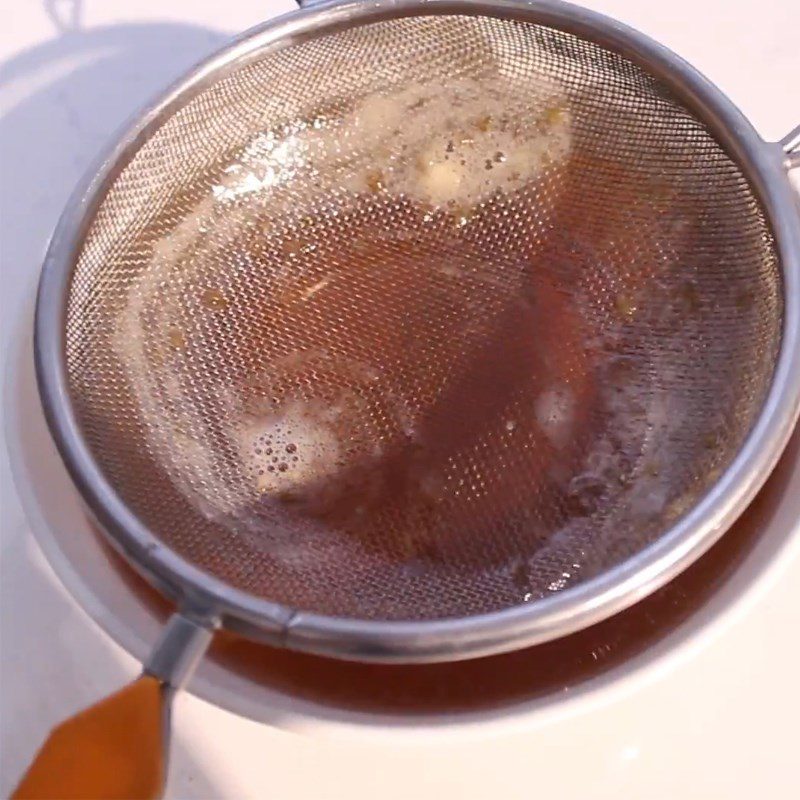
(422, 335)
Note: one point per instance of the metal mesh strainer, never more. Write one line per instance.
(397, 329)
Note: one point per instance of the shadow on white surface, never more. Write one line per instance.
(59, 104)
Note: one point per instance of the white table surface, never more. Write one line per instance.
(720, 721)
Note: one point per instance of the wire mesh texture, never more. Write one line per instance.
(423, 318)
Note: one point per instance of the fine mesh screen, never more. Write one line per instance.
(425, 318)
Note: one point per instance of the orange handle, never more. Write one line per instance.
(111, 751)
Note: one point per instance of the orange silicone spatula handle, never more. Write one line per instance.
(115, 750)
(111, 751)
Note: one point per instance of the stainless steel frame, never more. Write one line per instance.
(206, 600)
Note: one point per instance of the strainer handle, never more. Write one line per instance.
(118, 748)
(791, 146)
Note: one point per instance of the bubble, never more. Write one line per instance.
(291, 448)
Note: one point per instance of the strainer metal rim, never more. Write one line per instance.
(199, 593)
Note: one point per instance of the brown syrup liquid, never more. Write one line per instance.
(439, 352)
